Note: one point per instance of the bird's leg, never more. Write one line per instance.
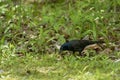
(74, 53)
(80, 52)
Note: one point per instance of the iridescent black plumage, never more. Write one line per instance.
(77, 45)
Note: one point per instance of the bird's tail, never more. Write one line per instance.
(93, 42)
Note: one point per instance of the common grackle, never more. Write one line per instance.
(77, 45)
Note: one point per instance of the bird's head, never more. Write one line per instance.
(64, 47)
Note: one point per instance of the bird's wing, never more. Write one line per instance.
(75, 46)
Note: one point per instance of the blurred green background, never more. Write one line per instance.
(32, 30)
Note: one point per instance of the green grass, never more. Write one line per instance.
(52, 67)
(31, 30)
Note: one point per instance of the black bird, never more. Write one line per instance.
(77, 45)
